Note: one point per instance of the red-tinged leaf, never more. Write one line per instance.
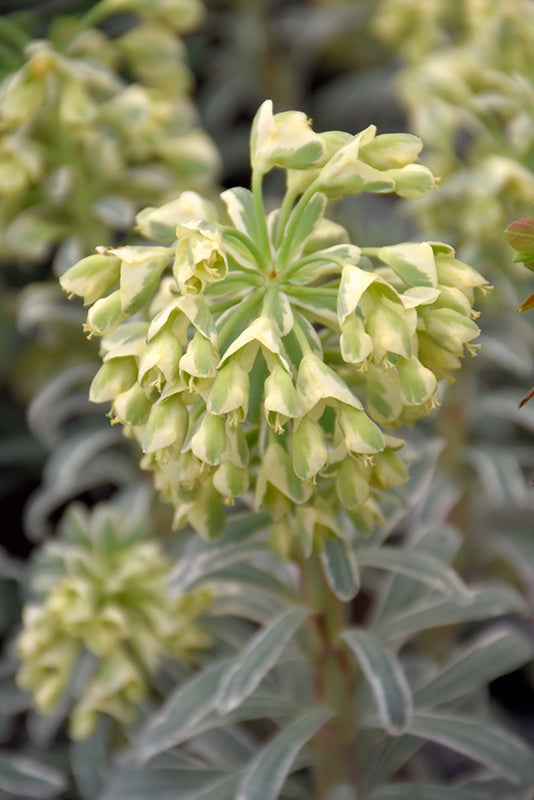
(527, 397)
(527, 304)
(520, 235)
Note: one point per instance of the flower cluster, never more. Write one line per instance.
(81, 150)
(103, 599)
(470, 97)
(258, 356)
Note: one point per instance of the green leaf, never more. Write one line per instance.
(419, 791)
(224, 789)
(24, 777)
(386, 679)
(239, 204)
(184, 708)
(341, 569)
(489, 744)
(203, 558)
(418, 565)
(413, 262)
(266, 774)
(486, 602)
(258, 656)
(308, 220)
(129, 783)
(90, 760)
(494, 653)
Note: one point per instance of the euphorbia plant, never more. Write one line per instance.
(261, 360)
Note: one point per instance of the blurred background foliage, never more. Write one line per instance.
(103, 113)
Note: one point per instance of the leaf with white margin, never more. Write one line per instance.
(282, 313)
(489, 744)
(418, 791)
(309, 218)
(182, 710)
(21, 776)
(315, 303)
(261, 331)
(240, 206)
(354, 282)
(495, 652)
(340, 569)
(419, 296)
(195, 309)
(267, 773)
(257, 658)
(413, 262)
(486, 602)
(421, 566)
(386, 679)
(316, 381)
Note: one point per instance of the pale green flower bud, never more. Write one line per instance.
(391, 150)
(438, 359)
(199, 258)
(192, 154)
(454, 273)
(92, 277)
(360, 433)
(159, 363)
(114, 377)
(352, 484)
(281, 400)
(355, 343)
(229, 393)
(230, 481)
(283, 140)
(298, 180)
(209, 443)
(318, 385)
(391, 326)
(76, 107)
(276, 470)
(131, 407)
(413, 181)
(449, 328)
(308, 449)
(383, 394)
(389, 470)
(105, 315)
(166, 426)
(160, 223)
(140, 273)
(199, 361)
(418, 384)
(345, 173)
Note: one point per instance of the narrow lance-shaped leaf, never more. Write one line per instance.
(386, 679)
(341, 569)
(420, 566)
(488, 744)
(266, 774)
(256, 659)
(486, 602)
(183, 709)
(495, 653)
(417, 791)
(24, 777)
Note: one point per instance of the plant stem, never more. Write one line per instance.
(257, 191)
(334, 682)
